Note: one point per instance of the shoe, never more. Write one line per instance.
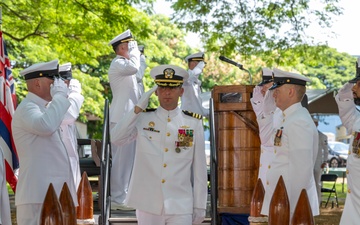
(116, 206)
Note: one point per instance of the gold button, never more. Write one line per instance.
(267, 182)
(347, 171)
(165, 165)
(169, 120)
(275, 151)
(269, 166)
(349, 191)
(163, 181)
(166, 149)
(260, 165)
(168, 134)
(150, 137)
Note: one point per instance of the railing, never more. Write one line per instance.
(105, 170)
(213, 165)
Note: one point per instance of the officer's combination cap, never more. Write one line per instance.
(126, 36)
(357, 75)
(281, 77)
(267, 75)
(43, 69)
(65, 71)
(169, 75)
(199, 56)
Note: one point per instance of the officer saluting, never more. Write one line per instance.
(169, 177)
(295, 142)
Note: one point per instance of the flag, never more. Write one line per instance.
(7, 108)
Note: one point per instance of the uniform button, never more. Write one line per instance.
(349, 191)
(169, 120)
(347, 171)
(168, 134)
(267, 182)
(349, 152)
(166, 149)
(275, 151)
(269, 166)
(150, 137)
(165, 165)
(163, 181)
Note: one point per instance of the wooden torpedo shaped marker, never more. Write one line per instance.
(303, 214)
(51, 213)
(67, 206)
(256, 203)
(85, 199)
(279, 209)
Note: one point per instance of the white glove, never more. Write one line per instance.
(75, 86)
(345, 92)
(257, 95)
(132, 45)
(198, 216)
(198, 69)
(59, 87)
(144, 100)
(269, 104)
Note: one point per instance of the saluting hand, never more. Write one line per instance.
(144, 100)
(59, 87)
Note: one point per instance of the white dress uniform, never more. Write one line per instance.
(125, 92)
(140, 74)
(68, 134)
(43, 157)
(191, 99)
(5, 213)
(322, 155)
(350, 117)
(167, 176)
(294, 159)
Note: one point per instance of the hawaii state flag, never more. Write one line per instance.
(7, 108)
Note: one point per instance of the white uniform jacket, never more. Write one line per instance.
(350, 117)
(42, 154)
(68, 134)
(294, 159)
(164, 178)
(123, 85)
(191, 99)
(5, 215)
(140, 74)
(266, 125)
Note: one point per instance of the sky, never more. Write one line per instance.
(344, 27)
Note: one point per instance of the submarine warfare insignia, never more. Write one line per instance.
(185, 139)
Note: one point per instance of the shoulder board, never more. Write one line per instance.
(195, 115)
(149, 110)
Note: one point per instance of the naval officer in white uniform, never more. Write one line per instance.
(43, 157)
(125, 91)
(295, 143)
(68, 127)
(347, 99)
(191, 99)
(169, 178)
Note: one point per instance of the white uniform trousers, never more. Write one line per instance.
(28, 214)
(145, 218)
(121, 167)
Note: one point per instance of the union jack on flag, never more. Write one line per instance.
(7, 108)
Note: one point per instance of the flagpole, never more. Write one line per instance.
(0, 18)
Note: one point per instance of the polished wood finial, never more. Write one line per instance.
(85, 199)
(303, 213)
(279, 209)
(67, 205)
(51, 212)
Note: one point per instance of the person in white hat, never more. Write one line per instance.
(125, 91)
(295, 142)
(169, 177)
(347, 99)
(263, 104)
(5, 213)
(191, 99)
(36, 130)
(321, 159)
(68, 127)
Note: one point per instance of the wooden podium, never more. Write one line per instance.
(237, 147)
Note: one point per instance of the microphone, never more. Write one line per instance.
(223, 58)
